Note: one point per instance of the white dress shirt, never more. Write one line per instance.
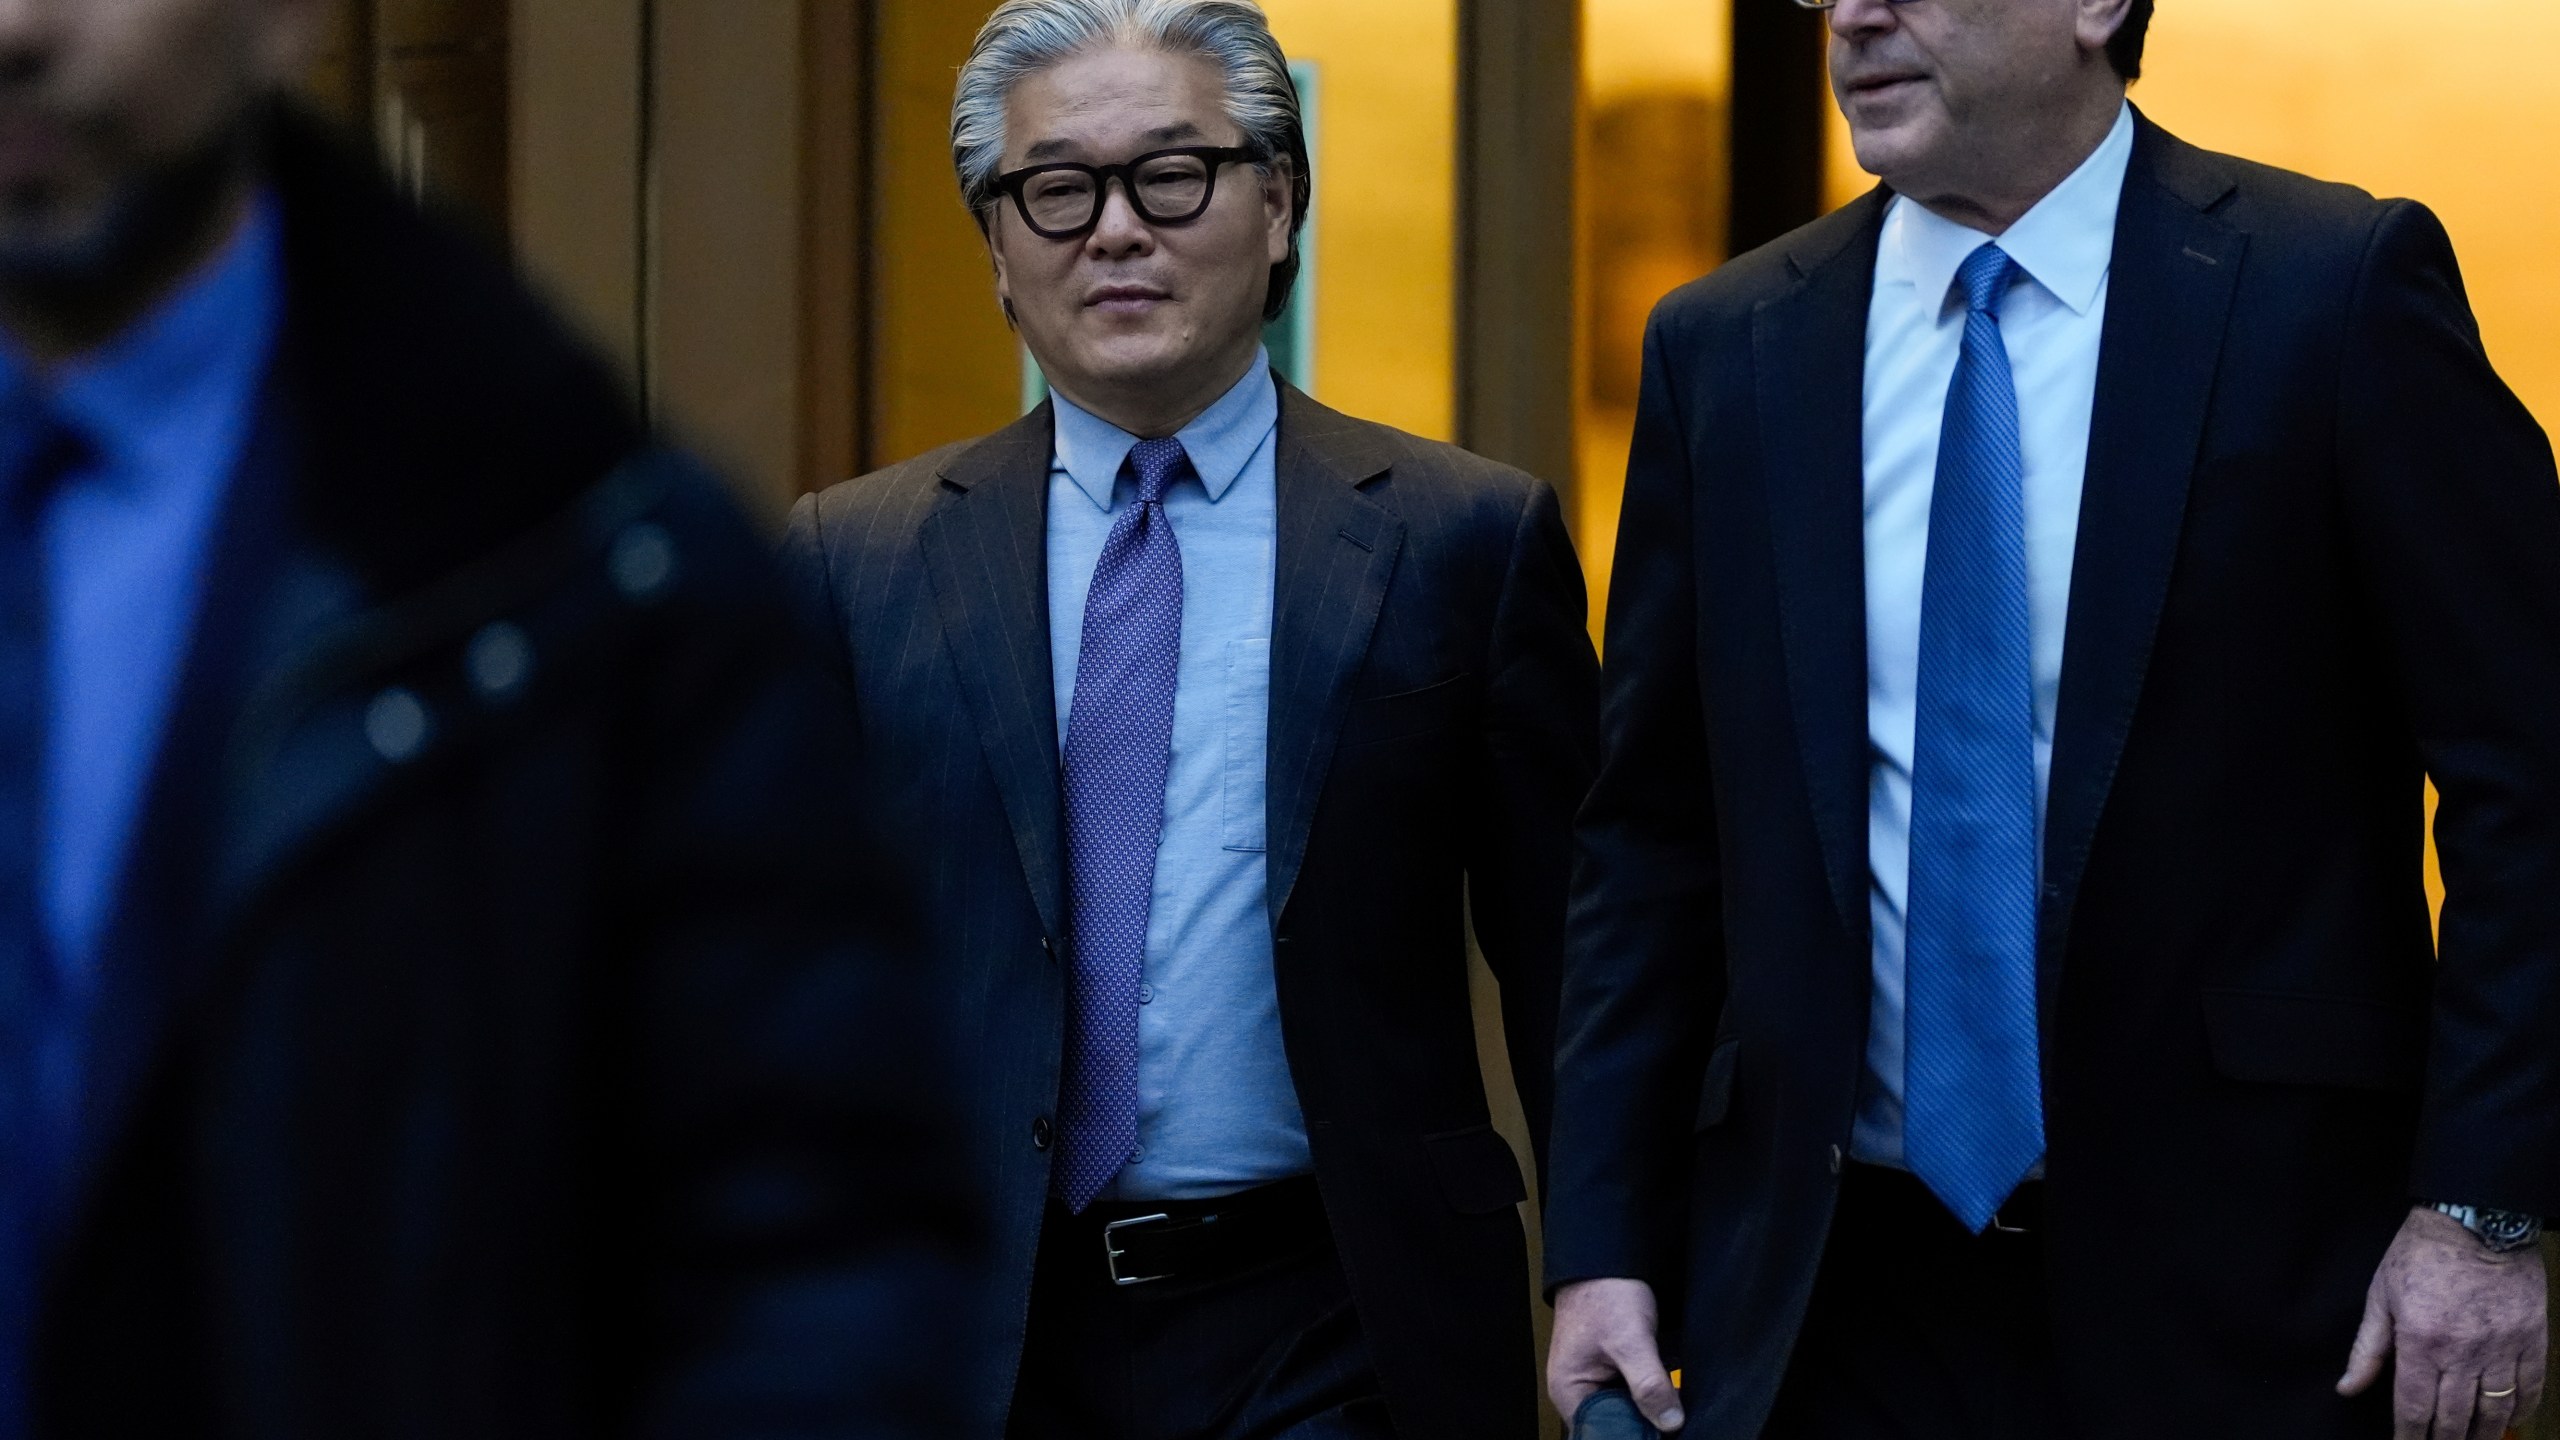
(2052, 321)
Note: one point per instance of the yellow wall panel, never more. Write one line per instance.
(944, 365)
(2447, 101)
(1649, 44)
(1386, 203)
(1655, 178)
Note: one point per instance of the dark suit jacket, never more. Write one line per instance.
(1432, 717)
(493, 1048)
(2319, 560)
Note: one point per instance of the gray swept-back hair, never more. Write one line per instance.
(1024, 37)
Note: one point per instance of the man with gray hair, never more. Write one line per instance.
(1203, 712)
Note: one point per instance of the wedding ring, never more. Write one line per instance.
(2497, 1394)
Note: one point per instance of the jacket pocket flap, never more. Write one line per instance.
(1377, 719)
(1478, 1174)
(1715, 1092)
(2279, 1038)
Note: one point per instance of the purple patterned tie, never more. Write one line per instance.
(1119, 742)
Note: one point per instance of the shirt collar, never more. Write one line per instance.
(1221, 440)
(2064, 244)
(199, 353)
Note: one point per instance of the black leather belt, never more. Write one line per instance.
(1147, 1242)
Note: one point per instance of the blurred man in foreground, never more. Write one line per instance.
(431, 999)
(2002, 1002)
(1206, 712)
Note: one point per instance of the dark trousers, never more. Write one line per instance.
(1268, 1349)
(1919, 1329)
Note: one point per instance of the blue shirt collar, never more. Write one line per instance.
(1221, 440)
(201, 351)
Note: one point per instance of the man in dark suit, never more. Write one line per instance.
(2001, 1000)
(1203, 712)
(435, 998)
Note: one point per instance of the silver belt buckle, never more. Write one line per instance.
(1113, 1254)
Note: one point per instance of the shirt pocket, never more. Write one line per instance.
(1248, 722)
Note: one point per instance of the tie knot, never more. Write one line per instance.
(1158, 464)
(1985, 275)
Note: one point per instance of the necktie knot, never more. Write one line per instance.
(1986, 275)
(1158, 464)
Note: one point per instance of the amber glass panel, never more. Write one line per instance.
(2449, 102)
(1384, 218)
(943, 366)
(1654, 183)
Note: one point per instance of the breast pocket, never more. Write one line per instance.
(1248, 722)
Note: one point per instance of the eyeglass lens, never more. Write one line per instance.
(1164, 189)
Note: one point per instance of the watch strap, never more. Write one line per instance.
(2502, 1231)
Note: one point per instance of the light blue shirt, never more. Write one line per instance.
(2052, 323)
(166, 409)
(1217, 1111)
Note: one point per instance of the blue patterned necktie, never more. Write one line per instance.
(1973, 1123)
(35, 453)
(1119, 744)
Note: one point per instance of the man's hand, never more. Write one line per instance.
(2470, 1328)
(1604, 1336)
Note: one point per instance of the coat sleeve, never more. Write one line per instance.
(1643, 963)
(2452, 504)
(814, 1227)
(1540, 718)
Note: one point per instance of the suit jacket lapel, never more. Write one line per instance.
(1809, 350)
(1337, 549)
(986, 547)
(2175, 269)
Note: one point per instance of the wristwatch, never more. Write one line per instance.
(2503, 1231)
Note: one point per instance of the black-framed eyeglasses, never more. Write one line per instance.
(1165, 187)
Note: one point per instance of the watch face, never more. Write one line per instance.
(2501, 1230)
(2507, 1230)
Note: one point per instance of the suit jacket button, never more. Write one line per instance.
(642, 563)
(1042, 1133)
(500, 660)
(1836, 1158)
(396, 725)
